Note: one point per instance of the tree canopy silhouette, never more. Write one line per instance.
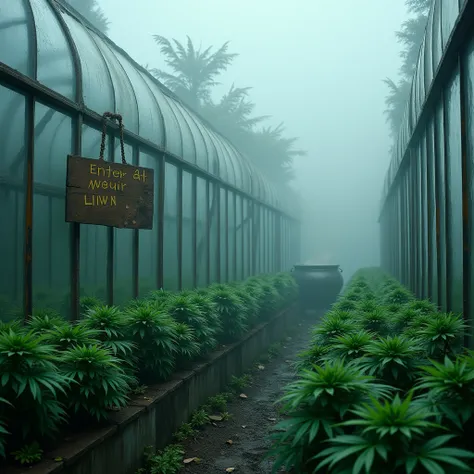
(193, 75)
(411, 37)
(91, 10)
(194, 71)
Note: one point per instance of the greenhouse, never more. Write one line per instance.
(427, 223)
(216, 218)
(189, 329)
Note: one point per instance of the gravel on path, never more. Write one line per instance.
(242, 441)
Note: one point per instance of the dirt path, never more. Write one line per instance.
(252, 418)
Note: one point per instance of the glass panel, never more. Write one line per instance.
(224, 163)
(55, 66)
(428, 56)
(408, 261)
(239, 235)
(262, 241)
(213, 227)
(417, 203)
(202, 230)
(449, 14)
(242, 167)
(469, 107)
(268, 236)
(189, 150)
(12, 202)
(172, 129)
(211, 156)
(272, 249)
(200, 152)
(246, 227)
(223, 243)
(51, 234)
(424, 220)
(454, 194)
(256, 241)
(221, 163)
(231, 234)
(150, 121)
(437, 38)
(235, 160)
(15, 50)
(170, 237)
(125, 100)
(441, 187)
(431, 185)
(188, 228)
(148, 239)
(249, 237)
(94, 242)
(421, 76)
(96, 86)
(123, 247)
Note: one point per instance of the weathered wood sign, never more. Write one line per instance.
(111, 194)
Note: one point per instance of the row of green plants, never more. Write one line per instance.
(171, 459)
(55, 374)
(385, 387)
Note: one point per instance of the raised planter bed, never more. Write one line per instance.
(152, 418)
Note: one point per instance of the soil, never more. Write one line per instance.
(252, 418)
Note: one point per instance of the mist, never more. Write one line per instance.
(318, 67)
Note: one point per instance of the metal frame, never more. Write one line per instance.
(424, 122)
(80, 115)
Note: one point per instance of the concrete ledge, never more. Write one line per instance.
(152, 418)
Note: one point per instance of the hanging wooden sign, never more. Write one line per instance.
(111, 194)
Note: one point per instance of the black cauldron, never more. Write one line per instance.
(319, 285)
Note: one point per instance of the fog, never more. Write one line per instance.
(316, 65)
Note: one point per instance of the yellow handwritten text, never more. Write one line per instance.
(97, 200)
(139, 176)
(107, 185)
(106, 171)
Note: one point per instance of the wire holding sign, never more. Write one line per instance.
(110, 194)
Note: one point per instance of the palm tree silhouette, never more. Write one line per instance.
(194, 70)
(194, 73)
(91, 11)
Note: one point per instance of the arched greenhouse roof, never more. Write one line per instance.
(81, 64)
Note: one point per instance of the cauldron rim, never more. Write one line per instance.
(317, 266)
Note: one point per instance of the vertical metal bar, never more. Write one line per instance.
(429, 206)
(437, 180)
(28, 268)
(242, 226)
(466, 216)
(29, 168)
(423, 216)
(179, 217)
(413, 240)
(110, 237)
(16, 276)
(161, 220)
(75, 237)
(447, 211)
(250, 205)
(279, 248)
(50, 242)
(209, 232)
(136, 239)
(403, 230)
(226, 235)
(194, 230)
(234, 237)
(217, 189)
